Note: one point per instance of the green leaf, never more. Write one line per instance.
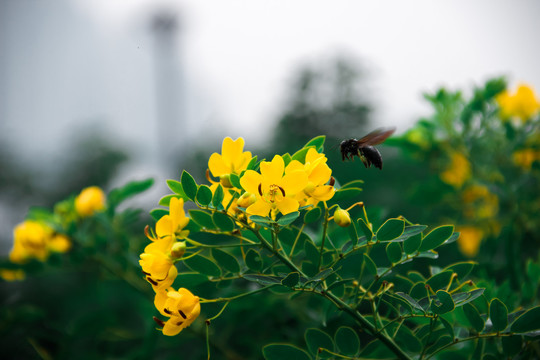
(449, 328)
(365, 229)
(253, 260)
(419, 291)
(390, 230)
(462, 269)
(466, 297)
(474, 318)
(226, 260)
(202, 218)
(498, 313)
(252, 162)
(284, 352)
(317, 142)
(176, 187)
(288, 219)
(189, 185)
(527, 322)
(300, 155)
(235, 181)
(393, 251)
(165, 201)
(203, 265)
(512, 344)
(412, 244)
(445, 303)
(260, 220)
(410, 300)
(223, 221)
(263, 279)
(158, 213)
(347, 341)
(407, 340)
(291, 280)
(353, 234)
(440, 280)
(316, 339)
(436, 237)
(132, 188)
(218, 196)
(312, 252)
(189, 280)
(204, 195)
(312, 215)
(370, 265)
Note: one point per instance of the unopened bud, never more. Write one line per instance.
(178, 249)
(246, 200)
(342, 218)
(225, 181)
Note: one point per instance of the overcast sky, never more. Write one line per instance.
(66, 63)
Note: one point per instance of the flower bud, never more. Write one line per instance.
(178, 249)
(225, 181)
(342, 218)
(246, 200)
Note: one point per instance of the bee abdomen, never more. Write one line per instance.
(372, 156)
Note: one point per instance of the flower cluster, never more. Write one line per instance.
(522, 104)
(157, 262)
(36, 240)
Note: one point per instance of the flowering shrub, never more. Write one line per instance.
(266, 226)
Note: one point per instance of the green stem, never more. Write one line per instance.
(237, 296)
(475, 337)
(325, 227)
(296, 240)
(388, 342)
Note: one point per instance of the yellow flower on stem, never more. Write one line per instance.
(156, 261)
(523, 104)
(32, 239)
(469, 240)
(342, 217)
(181, 307)
(275, 190)
(524, 158)
(89, 201)
(232, 160)
(458, 171)
(172, 225)
(12, 274)
(319, 174)
(479, 203)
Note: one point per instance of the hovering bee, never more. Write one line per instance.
(364, 148)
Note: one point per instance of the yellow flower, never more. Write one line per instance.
(319, 173)
(524, 158)
(469, 240)
(275, 189)
(523, 104)
(181, 307)
(479, 203)
(155, 261)
(342, 217)
(232, 160)
(172, 225)
(32, 239)
(89, 201)
(12, 274)
(458, 171)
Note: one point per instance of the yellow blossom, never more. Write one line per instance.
(12, 274)
(181, 307)
(89, 201)
(156, 261)
(32, 239)
(458, 171)
(479, 203)
(524, 158)
(275, 189)
(173, 224)
(469, 240)
(232, 160)
(523, 104)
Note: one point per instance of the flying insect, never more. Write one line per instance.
(365, 147)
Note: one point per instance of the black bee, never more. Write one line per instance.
(364, 148)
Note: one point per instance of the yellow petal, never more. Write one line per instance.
(251, 181)
(231, 149)
(217, 165)
(164, 226)
(173, 326)
(294, 165)
(287, 205)
(59, 243)
(323, 193)
(260, 207)
(294, 182)
(272, 172)
(321, 174)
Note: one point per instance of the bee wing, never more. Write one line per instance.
(376, 136)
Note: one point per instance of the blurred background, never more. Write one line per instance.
(94, 92)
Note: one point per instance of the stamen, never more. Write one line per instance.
(151, 281)
(182, 314)
(167, 311)
(160, 322)
(179, 323)
(282, 190)
(260, 189)
(332, 181)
